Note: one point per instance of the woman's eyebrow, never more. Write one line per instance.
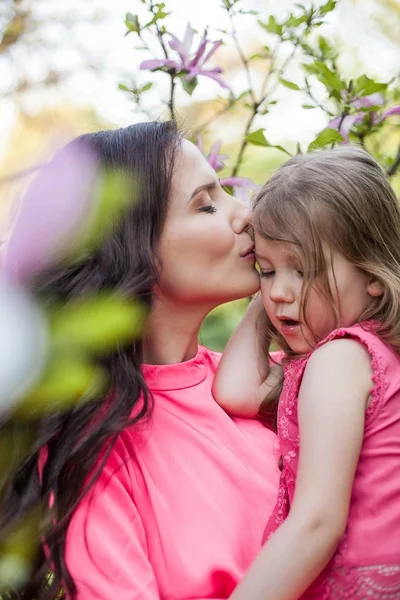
(209, 187)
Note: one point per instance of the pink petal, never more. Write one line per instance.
(183, 48)
(371, 100)
(243, 182)
(188, 39)
(213, 49)
(212, 74)
(52, 211)
(213, 156)
(346, 124)
(243, 187)
(157, 63)
(393, 110)
(200, 51)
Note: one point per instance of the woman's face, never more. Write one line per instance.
(205, 249)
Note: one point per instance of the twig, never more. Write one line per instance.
(313, 98)
(171, 102)
(242, 56)
(256, 104)
(392, 170)
(244, 143)
(215, 116)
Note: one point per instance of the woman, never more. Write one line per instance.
(181, 498)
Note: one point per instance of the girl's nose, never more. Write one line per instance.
(281, 291)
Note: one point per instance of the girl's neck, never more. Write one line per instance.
(171, 333)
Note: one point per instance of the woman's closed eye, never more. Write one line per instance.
(208, 208)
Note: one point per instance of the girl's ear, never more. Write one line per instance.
(375, 288)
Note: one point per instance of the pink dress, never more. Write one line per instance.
(366, 564)
(181, 505)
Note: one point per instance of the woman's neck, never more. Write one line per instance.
(171, 333)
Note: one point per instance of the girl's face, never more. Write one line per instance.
(206, 250)
(281, 288)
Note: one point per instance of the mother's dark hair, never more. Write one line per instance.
(125, 261)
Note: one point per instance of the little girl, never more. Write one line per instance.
(327, 242)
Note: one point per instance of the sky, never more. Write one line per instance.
(365, 50)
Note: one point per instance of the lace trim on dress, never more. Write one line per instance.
(373, 582)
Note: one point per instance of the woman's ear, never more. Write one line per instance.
(375, 288)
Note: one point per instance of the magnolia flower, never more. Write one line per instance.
(51, 212)
(189, 63)
(24, 350)
(345, 125)
(50, 215)
(242, 187)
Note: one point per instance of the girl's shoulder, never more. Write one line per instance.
(385, 362)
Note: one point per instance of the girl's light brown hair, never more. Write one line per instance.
(338, 199)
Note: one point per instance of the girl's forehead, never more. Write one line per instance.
(266, 248)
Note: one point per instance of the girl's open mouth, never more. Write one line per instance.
(289, 326)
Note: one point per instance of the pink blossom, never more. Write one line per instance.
(345, 125)
(243, 187)
(51, 212)
(190, 64)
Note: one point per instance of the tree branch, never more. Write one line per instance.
(392, 170)
(215, 116)
(243, 58)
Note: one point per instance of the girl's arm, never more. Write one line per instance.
(332, 402)
(244, 376)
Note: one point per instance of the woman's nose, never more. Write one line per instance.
(241, 218)
(281, 291)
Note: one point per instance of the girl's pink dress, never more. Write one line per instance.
(180, 508)
(366, 564)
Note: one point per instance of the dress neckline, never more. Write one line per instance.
(176, 376)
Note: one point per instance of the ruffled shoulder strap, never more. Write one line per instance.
(380, 354)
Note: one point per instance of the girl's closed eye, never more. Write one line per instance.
(265, 274)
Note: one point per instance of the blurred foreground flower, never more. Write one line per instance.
(368, 110)
(48, 358)
(190, 64)
(242, 187)
(24, 347)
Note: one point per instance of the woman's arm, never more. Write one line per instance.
(244, 375)
(332, 402)
(106, 548)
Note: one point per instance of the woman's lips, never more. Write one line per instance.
(248, 254)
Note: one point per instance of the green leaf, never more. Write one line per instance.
(189, 86)
(330, 79)
(146, 87)
(326, 8)
(325, 47)
(68, 380)
(272, 26)
(160, 14)
(132, 22)
(289, 84)
(364, 86)
(124, 87)
(325, 138)
(257, 138)
(98, 324)
(296, 21)
(308, 106)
